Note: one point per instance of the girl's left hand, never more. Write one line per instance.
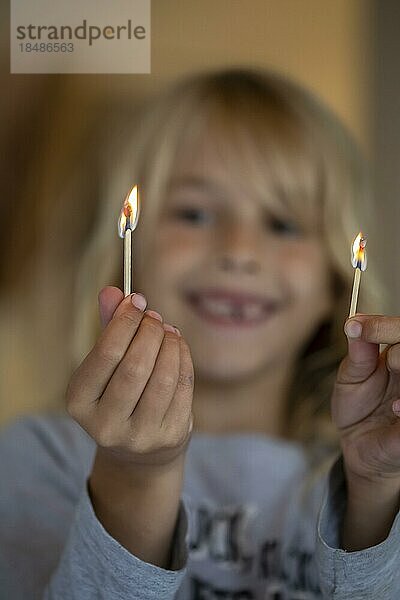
(366, 388)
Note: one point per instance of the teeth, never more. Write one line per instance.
(222, 308)
(253, 311)
(218, 307)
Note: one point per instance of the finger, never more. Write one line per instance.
(132, 374)
(160, 389)
(92, 376)
(178, 417)
(109, 298)
(377, 329)
(362, 357)
(393, 358)
(396, 407)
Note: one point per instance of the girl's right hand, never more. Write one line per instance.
(133, 391)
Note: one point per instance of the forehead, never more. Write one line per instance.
(212, 162)
(201, 165)
(198, 151)
(241, 160)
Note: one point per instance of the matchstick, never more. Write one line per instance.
(354, 294)
(127, 262)
(359, 262)
(127, 222)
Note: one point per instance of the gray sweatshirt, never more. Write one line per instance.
(250, 525)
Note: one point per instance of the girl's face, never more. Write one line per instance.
(246, 289)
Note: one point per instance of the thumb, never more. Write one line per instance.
(109, 298)
(362, 358)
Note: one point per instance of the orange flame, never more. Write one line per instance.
(128, 219)
(359, 255)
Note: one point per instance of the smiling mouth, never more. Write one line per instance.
(231, 308)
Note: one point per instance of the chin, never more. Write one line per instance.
(227, 371)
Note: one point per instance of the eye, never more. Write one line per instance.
(193, 215)
(282, 226)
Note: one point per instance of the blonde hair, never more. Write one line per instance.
(292, 151)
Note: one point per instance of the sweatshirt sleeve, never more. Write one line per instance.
(94, 565)
(361, 575)
(50, 533)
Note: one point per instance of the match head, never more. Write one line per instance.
(129, 215)
(358, 253)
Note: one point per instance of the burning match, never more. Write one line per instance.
(127, 222)
(359, 262)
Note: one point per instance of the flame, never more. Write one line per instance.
(359, 255)
(129, 216)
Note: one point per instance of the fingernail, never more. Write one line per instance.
(396, 407)
(177, 331)
(139, 301)
(154, 314)
(168, 327)
(191, 425)
(353, 329)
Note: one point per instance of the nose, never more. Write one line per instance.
(238, 250)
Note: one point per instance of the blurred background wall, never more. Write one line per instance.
(385, 140)
(52, 127)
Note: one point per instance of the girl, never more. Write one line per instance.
(154, 489)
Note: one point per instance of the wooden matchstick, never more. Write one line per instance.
(127, 262)
(354, 294)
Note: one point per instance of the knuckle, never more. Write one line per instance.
(109, 354)
(71, 408)
(142, 443)
(134, 370)
(186, 381)
(154, 327)
(176, 437)
(72, 399)
(165, 383)
(104, 436)
(129, 318)
(71, 393)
